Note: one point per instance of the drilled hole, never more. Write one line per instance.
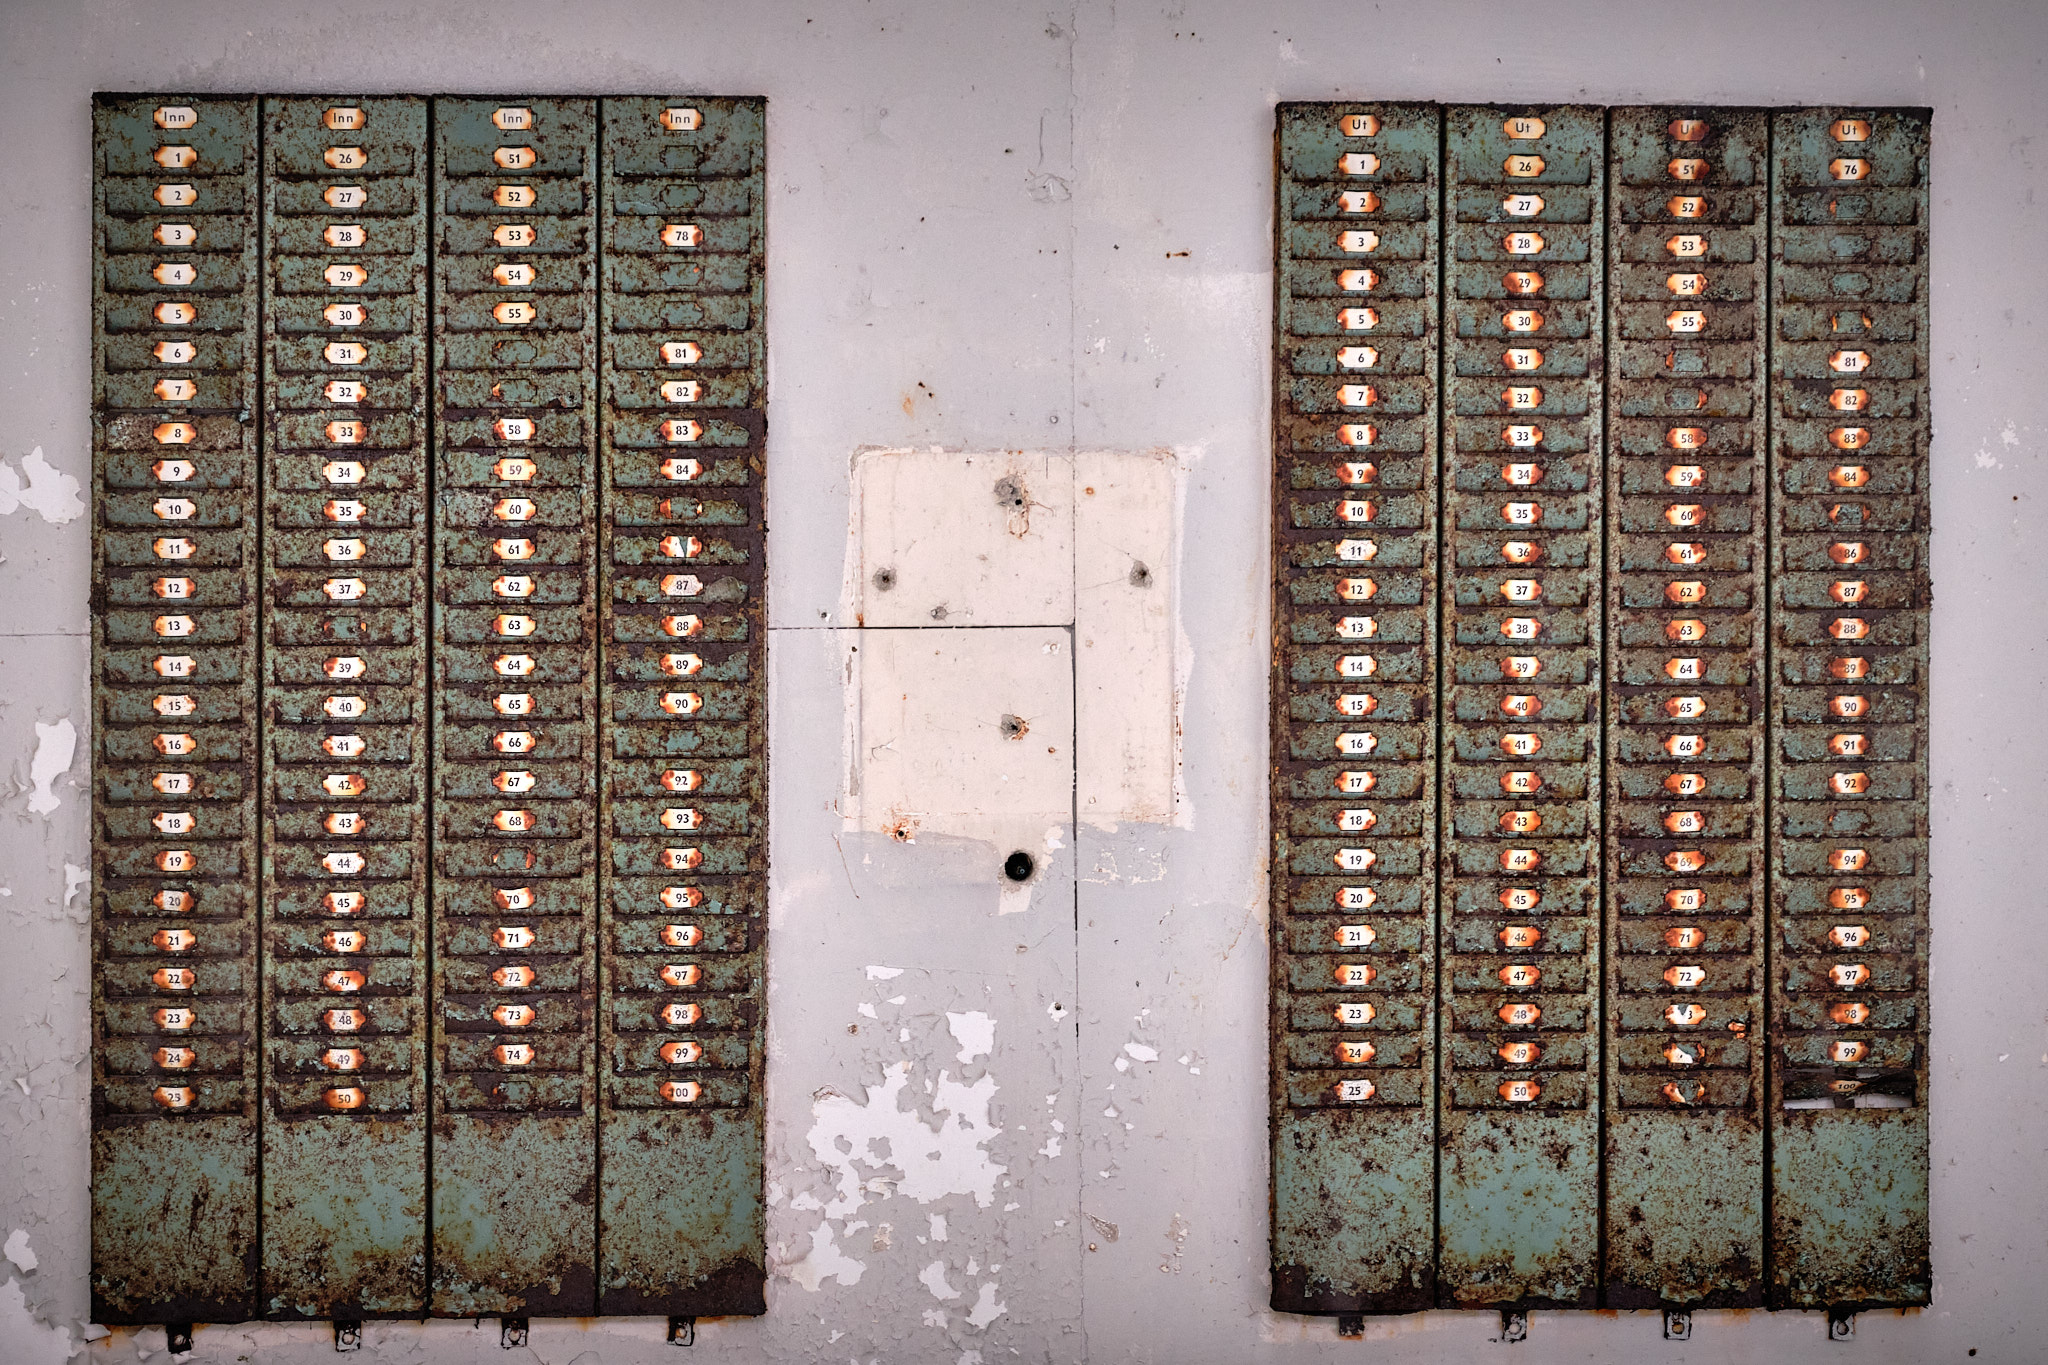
(1018, 866)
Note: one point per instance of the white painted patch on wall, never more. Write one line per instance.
(986, 1307)
(49, 491)
(18, 1251)
(934, 1158)
(1064, 699)
(56, 746)
(75, 878)
(933, 1277)
(974, 1031)
(825, 1261)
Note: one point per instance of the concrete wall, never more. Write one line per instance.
(997, 225)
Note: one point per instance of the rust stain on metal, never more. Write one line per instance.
(1684, 915)
(174, 1084)
(514, 1173)
(344, 809)
(1354, 709)
(1848, 650)
(682, 715)
(1522, 626)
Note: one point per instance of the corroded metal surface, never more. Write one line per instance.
(1848, 653)
(682, 716)
(1523, 258)
(514, 1158)
(1686, 256)
(345, 565)
(1354, 709)
(174, 1093)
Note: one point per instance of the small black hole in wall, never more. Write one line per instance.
(1017, 867)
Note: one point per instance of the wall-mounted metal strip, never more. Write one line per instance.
(682, 714)
(344, 818)
(1686, 260)
(1848, 653)
(174, 508)
(1353, 919)
(1523, 256)
(514, 1158)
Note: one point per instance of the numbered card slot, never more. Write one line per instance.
(683, 705)
(1684, 672)
(1522, 629)
(1355, 596)
(175, 1089)
(1847, 681)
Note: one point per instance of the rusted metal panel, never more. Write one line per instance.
(1523, 266)
(344, 819)
(174, 1103)
(682, 708)
(1686, 261)
(514, 889)
(1850, 601)
(1354, 709)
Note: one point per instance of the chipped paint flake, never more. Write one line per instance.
(17, 1251)
(825, 1261)
(974, 1031)
(56, 746)
(936, 1157)
(933, 1277)
(986, 1307)
(49, 491)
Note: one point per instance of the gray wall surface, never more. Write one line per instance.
(1049, 226)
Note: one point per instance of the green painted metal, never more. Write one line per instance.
(515, 836)
(344, 818)
(1519, 1064)
(174, 1082)
(1354, 709)
(1850, 602)
(682, 708)
(1686, 261)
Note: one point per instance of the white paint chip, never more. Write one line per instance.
(974, 1031)
(884, 973)
(56, 746)
(825, 1261)
(1141, 1052)
(945, 1154)
(17, 1251)
(49, 490)
(933, 1277)
(74, 877)
(986, 1308)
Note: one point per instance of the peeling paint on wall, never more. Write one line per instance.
(48, 490)
(56, 746)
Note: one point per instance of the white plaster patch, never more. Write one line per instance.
(884, 973)
(937, 1227)
(74, 877)
(825, 1261)
(974, 1031)
(933, 1277)
(56, 746)
(935, 1159)
(1142, 1052)
(49, 490)
(17, 1251)
(986, 1308)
